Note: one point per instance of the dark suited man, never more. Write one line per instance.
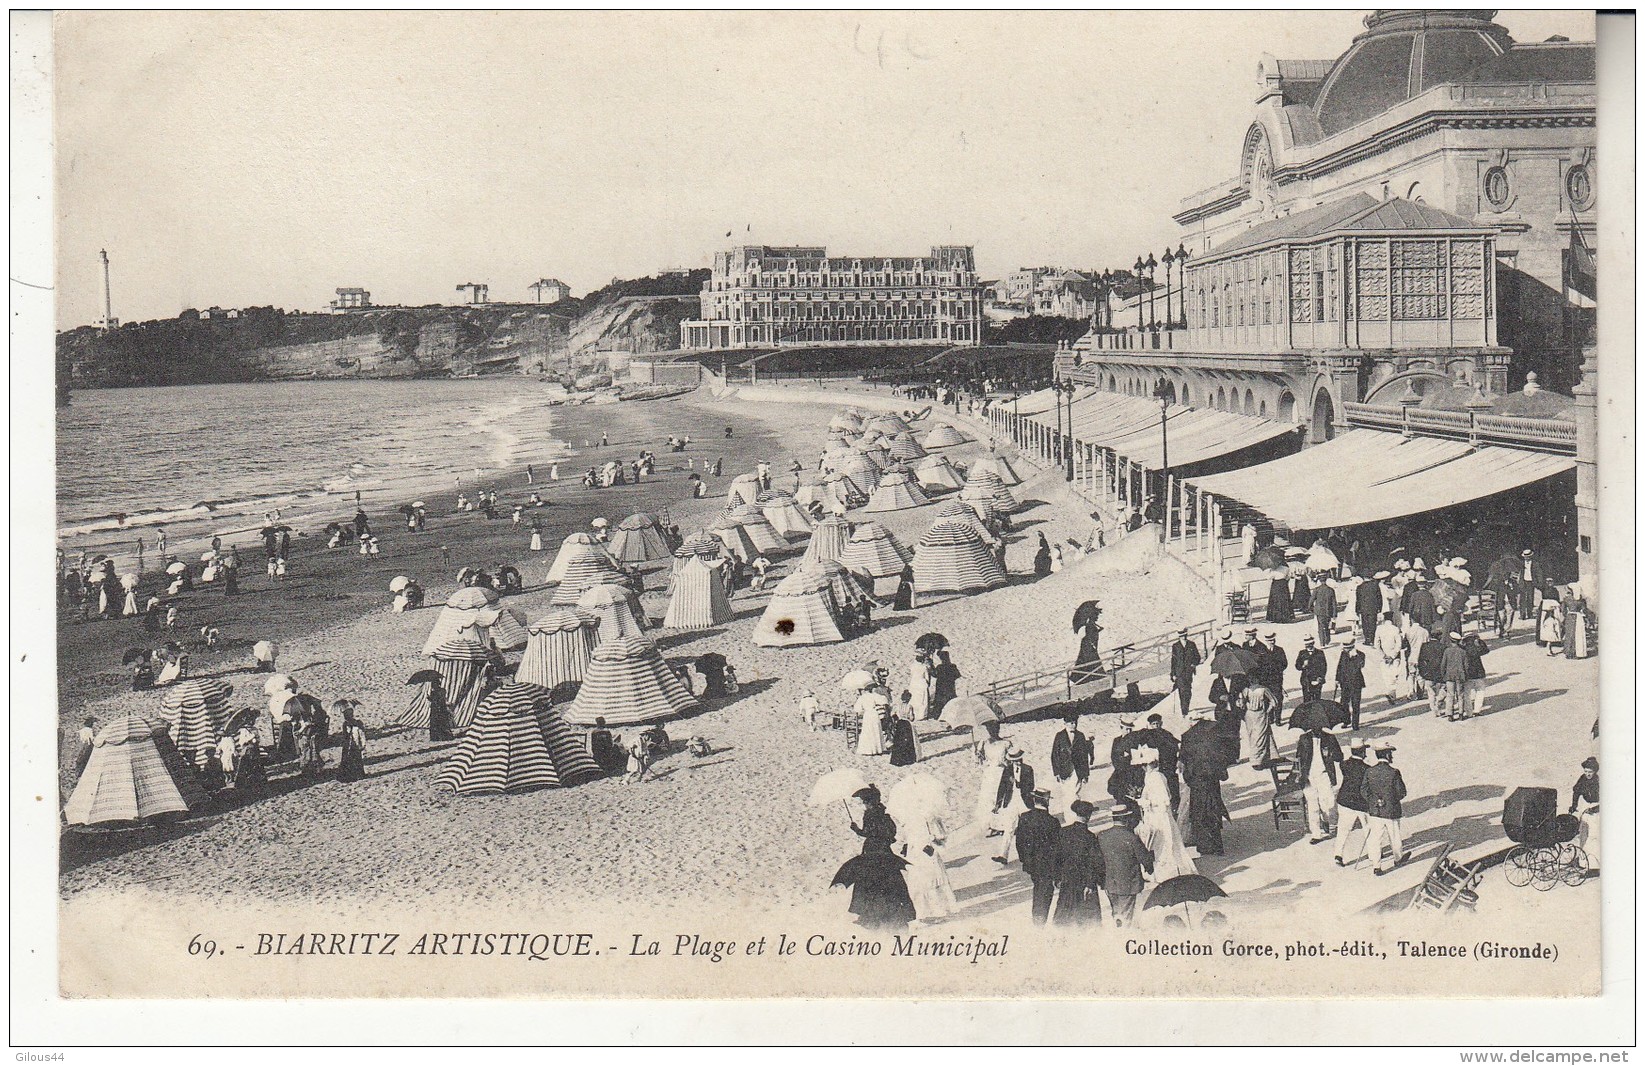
(1204, 759)
(1323, 603)
(1124, 861)
(1036, 835)
(1350, 680)
(1269, 671)
(1311, 665)
(1125, 781)
(1368, 606)
(1072, 754)
(1185, 660)
(1079, 868)
(1162, 740)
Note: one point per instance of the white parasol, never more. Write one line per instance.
(399, 584)
(206, 557)
(856, 680)
(179, 567)
(276, 683)
(128, 581)
(917, 797)
(264, 650)
(836, 786)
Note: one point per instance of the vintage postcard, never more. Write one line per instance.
(821, 504)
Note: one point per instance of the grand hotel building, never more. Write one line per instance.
(759, 296)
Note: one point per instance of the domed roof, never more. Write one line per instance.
(1402, 54)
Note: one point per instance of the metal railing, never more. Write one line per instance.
(1540, 434)
(1114, 668)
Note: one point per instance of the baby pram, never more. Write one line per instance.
(1546, 854)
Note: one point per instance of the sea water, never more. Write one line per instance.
(201, 460)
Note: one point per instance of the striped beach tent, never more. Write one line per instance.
(759, 529)
(996, 492)
(873, 552)
(937, 474)
(744, 488)
(699, 600)
(559, 649)
(134, 774)
(897, 492)
(517, 743)
(844, 490)
(862, 470)
(846, 587)
(461, 664)
(783, 513)
(998, 465)
(904, 448)
(952, 557)
(574, 547)
(504, 627)
(828, 539)
(845, 422)
(888, 424)
(801, 612)
(584, 570)
(628, 683)
(616, 609)
(734, 537)
(980, 499)
(944, 436)
(879, 453)
(196, 709)
(638, 539)
(699, 545)
(461, 612)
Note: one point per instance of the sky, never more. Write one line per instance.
(236, 159)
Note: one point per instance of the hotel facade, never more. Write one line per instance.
(759, 296)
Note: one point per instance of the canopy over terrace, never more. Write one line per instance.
(1367, 476)
(1129, 427)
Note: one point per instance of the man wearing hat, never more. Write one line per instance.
(1162, 740)
(1251, 644)
(1079, 868)
(1014, 798)
(1269, 671)
(1417, 602)
(1124, 861)
(1126, 780)
(1225, 639)
(1311, 665)
(1351, 799)
(1525, 588)
(1350, 678)
(1036, 836)
(1368, 605)
(1323, 603)
(1185, 660)
(1071, 757)
(1384, 791)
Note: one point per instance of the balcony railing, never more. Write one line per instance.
(1538, 434)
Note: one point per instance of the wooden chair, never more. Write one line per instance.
(1288, 803)
(1239, 606)
(1449, 885)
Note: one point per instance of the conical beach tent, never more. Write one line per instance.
(734, 537)
(888, 424)
(862, 471)
(576, 546)
(944, 436)
(561, 643)
(980, 499)
(628, 683)
(998, 465)
(504, 627)
(196, 709)
(584, 570)
(744, 489)
(951, 557)
(461, 612)
(638, 540)
(134, 775)
(461, 666)
(828, 539)
(783, 513)
(763, 535)
(699, 600)
(897, 492)
(517, 743)
(873, 552)
(846, 587)
(845, 422)
(615, 607)
(844, 490)
(937, 474)
(904, 448)
(989, 482)
(801, 612)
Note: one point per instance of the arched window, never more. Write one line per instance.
(1112, 385)
(1222, 399)
(1250, 402)
(1287, 407)
(1262, 409)
(1323, 428)
(1185, 400)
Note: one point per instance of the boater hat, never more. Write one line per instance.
(1527, 553)
(1307, 640)
(1381, 575)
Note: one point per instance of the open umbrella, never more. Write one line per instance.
(1322, 558)
(1183, 890)
(917, 796)
(275, 683)
(1268, 559)
(399, 583)
(929, 642)
(971, 711)
(128, 581)
(179, 567)
(1086, 614)
(406, 508)
(836, 786)
(206, 557)
(423, 677)
(1316, 714)
(244, 717)
(856, 680)
(600, 523)
(1232, 662)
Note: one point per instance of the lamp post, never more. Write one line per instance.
(1068, 445)
(1056, 396)
(1182, 276)
(1164, 399)
(1138, 267)
(1168, 259)
(1149, 265)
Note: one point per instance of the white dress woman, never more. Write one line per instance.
(992, 757)
(927, 873)
(1158, 830)
(919, 687)
(872, 706)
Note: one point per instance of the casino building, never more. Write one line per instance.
(758, 296)
(1378, 317)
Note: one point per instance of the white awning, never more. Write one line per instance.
(1130, 426)
(1367, 476)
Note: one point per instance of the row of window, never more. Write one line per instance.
(1224, 399)
(848, 312)
(1409, 280)
(757, 280)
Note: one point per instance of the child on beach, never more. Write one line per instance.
(639, 759)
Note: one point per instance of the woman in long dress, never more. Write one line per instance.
(1158, 830)
(1549, 632)
(872, 706)
(919, 685)
(991, 754)
(945, 678)
(927, 873)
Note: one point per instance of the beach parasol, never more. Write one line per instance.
(399, 583)
(1232, 662)
(1087, 614)
(423, 677)
(472, 598)
(264, 651)
(193, 708)
(245, 717)
(1183, 890)
(1316, 714)
(206, 557)
(128, 581)
(836, 786)
(917, 797)
(179, 567)
(929, 642)
(599, 523)
(971, 711)
(1322, 558)
(856, 680)
(1268, 559)
(404, 508)
(275, 683)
